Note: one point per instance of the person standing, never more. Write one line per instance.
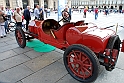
(9, 13)
(85, 11)
(27, 16)
(66, 16)
(6, 22)
(96, 13)
(2, 23)
(17, 16)
(36, 12)
(41, 16)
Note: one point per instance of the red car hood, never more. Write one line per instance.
(101, 33)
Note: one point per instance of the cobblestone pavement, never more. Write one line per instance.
(19, 65)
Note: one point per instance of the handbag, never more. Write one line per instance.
(5, 19)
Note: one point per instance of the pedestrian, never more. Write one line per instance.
(66, 16)
(85, 11)
(6, 21)
(17, 16)
(27, 16)
(96, 12)
(36, 12)
(41, 16)
(2, 23)
(48, 11)
(106, 12)
(9, 13)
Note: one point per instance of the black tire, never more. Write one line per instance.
(113, 43)
(20, 37)
(88, 57)
(12, 26)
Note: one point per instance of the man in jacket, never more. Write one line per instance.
(27, 16)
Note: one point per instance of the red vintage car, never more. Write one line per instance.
(85, 46)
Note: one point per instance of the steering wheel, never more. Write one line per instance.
(65, 17)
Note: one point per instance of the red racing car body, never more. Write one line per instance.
(86, 46)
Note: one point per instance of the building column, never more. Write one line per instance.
(13, 3)
(41, 3)
(3, 3)
(69, 3)
(19, 3)
(50, 4)
(31, 3)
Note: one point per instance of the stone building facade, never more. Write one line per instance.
(53, 4)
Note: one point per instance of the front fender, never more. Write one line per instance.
(95, 43)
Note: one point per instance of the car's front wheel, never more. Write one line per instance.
(81, 63)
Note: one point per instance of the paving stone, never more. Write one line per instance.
(19, 82)
(115, 76)
(20, 50)
(120, 62)
(59, 50)
(15, 74)
(61, 61)
(68, 79)
(33, 54)
(42, 61)
(50, 74)
(5, 39)
(3, 44)
(8, 47)
(11, 42)
(14, 61)
(7, 54)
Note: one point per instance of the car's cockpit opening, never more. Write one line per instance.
(50, 24)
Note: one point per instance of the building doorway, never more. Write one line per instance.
(120, 7)
(25, 3)
(7, 3)
(112, 7)
(45, 3)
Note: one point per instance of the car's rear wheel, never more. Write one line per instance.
(81, 63)
(20, 37)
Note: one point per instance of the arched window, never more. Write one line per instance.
(45, 4)
(7, 3)
(36, 2)
(25, 3)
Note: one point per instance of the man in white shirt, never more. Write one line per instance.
(36, 12)
(17, 16)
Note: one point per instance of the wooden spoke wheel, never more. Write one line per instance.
(81, 63)
(20, 37)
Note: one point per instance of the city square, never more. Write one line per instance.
(19, 65)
